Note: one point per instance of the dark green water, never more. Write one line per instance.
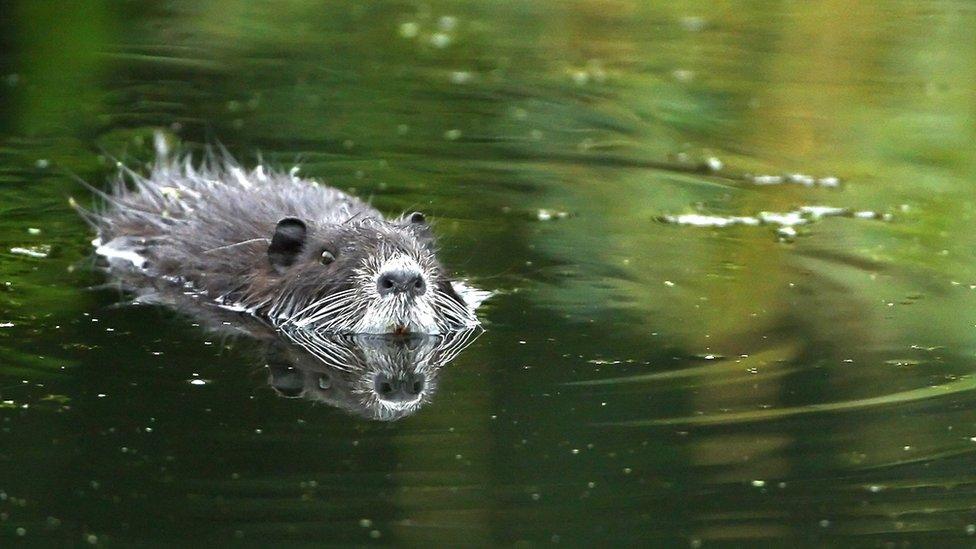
(639, 382)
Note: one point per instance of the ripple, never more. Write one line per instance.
(913, 395)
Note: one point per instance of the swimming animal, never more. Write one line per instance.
(290, 250)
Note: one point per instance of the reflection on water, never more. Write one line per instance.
(376, 377)
(684, 383)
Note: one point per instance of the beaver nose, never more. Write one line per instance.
(399, 390)
(401, 282)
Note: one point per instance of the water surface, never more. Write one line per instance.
(731, 245)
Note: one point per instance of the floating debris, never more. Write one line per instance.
(714, 164)
(786, 234)
(796, 178)
(549, 215)
(33, 231)
(784, 222)
(698, 220)
(38, 252)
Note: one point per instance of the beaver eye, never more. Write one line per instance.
(326, 257)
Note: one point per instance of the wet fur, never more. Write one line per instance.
(208, 228)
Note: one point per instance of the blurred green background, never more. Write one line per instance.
(639, 382)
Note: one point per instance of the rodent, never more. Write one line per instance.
(290, 250)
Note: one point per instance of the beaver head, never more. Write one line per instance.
(364, 276)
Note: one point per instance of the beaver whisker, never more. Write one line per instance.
(331, 298)
(228, 246)
(321, 308)
(337, 314)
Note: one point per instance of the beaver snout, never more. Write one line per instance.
(406, 389)
(401, 282)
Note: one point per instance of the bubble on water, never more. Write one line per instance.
(92, 539)
(375, 534)
(198, 381)
(403, 129)
(714, 164)
(447, 23)
(683, 75)
(42, 163)
(971, 529)
(365, 523)
(693, 23)
(409, 29)
(580, 78)
(461, 77)
(440, 40)
(595, 68)
(758, 483)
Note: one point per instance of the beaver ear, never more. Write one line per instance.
(287, 243)
(415, 218)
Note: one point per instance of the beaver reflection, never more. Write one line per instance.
(377, 377)
(381, 377)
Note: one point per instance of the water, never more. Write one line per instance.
(804, 378)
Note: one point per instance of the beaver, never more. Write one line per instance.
(288, 249)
